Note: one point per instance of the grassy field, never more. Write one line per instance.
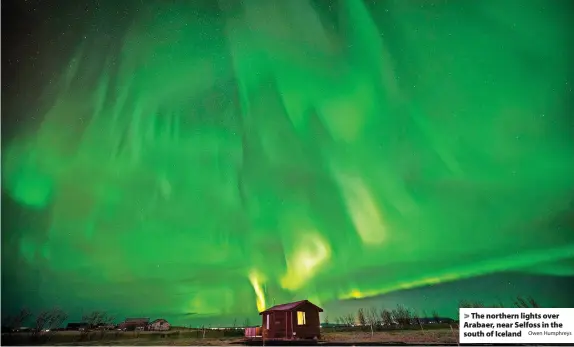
(399, 337)
(217, 338)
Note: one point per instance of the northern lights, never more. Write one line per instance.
(206, 158)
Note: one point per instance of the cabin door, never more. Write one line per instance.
(281, 325)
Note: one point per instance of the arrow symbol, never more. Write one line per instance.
(465, 315)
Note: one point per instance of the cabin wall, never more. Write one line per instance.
(312, 327)
(279, 324)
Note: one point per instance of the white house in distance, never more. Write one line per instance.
(159, 325)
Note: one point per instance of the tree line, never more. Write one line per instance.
(48, 320)
(404, 317)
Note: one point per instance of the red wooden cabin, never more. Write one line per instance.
(295, 320)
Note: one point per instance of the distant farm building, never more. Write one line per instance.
(159, 325)
(295, 320)
(134, 324)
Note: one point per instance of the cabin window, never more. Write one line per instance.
(268, 316)
(301, 318)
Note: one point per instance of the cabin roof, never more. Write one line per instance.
(290, 306)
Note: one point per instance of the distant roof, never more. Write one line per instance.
(290, 306)
(158, 320)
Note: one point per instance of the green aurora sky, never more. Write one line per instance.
(196, 160)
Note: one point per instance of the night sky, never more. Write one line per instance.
(200, 160)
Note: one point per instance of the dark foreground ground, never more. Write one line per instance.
(346, 338)
(395, 338)
(435, 335)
